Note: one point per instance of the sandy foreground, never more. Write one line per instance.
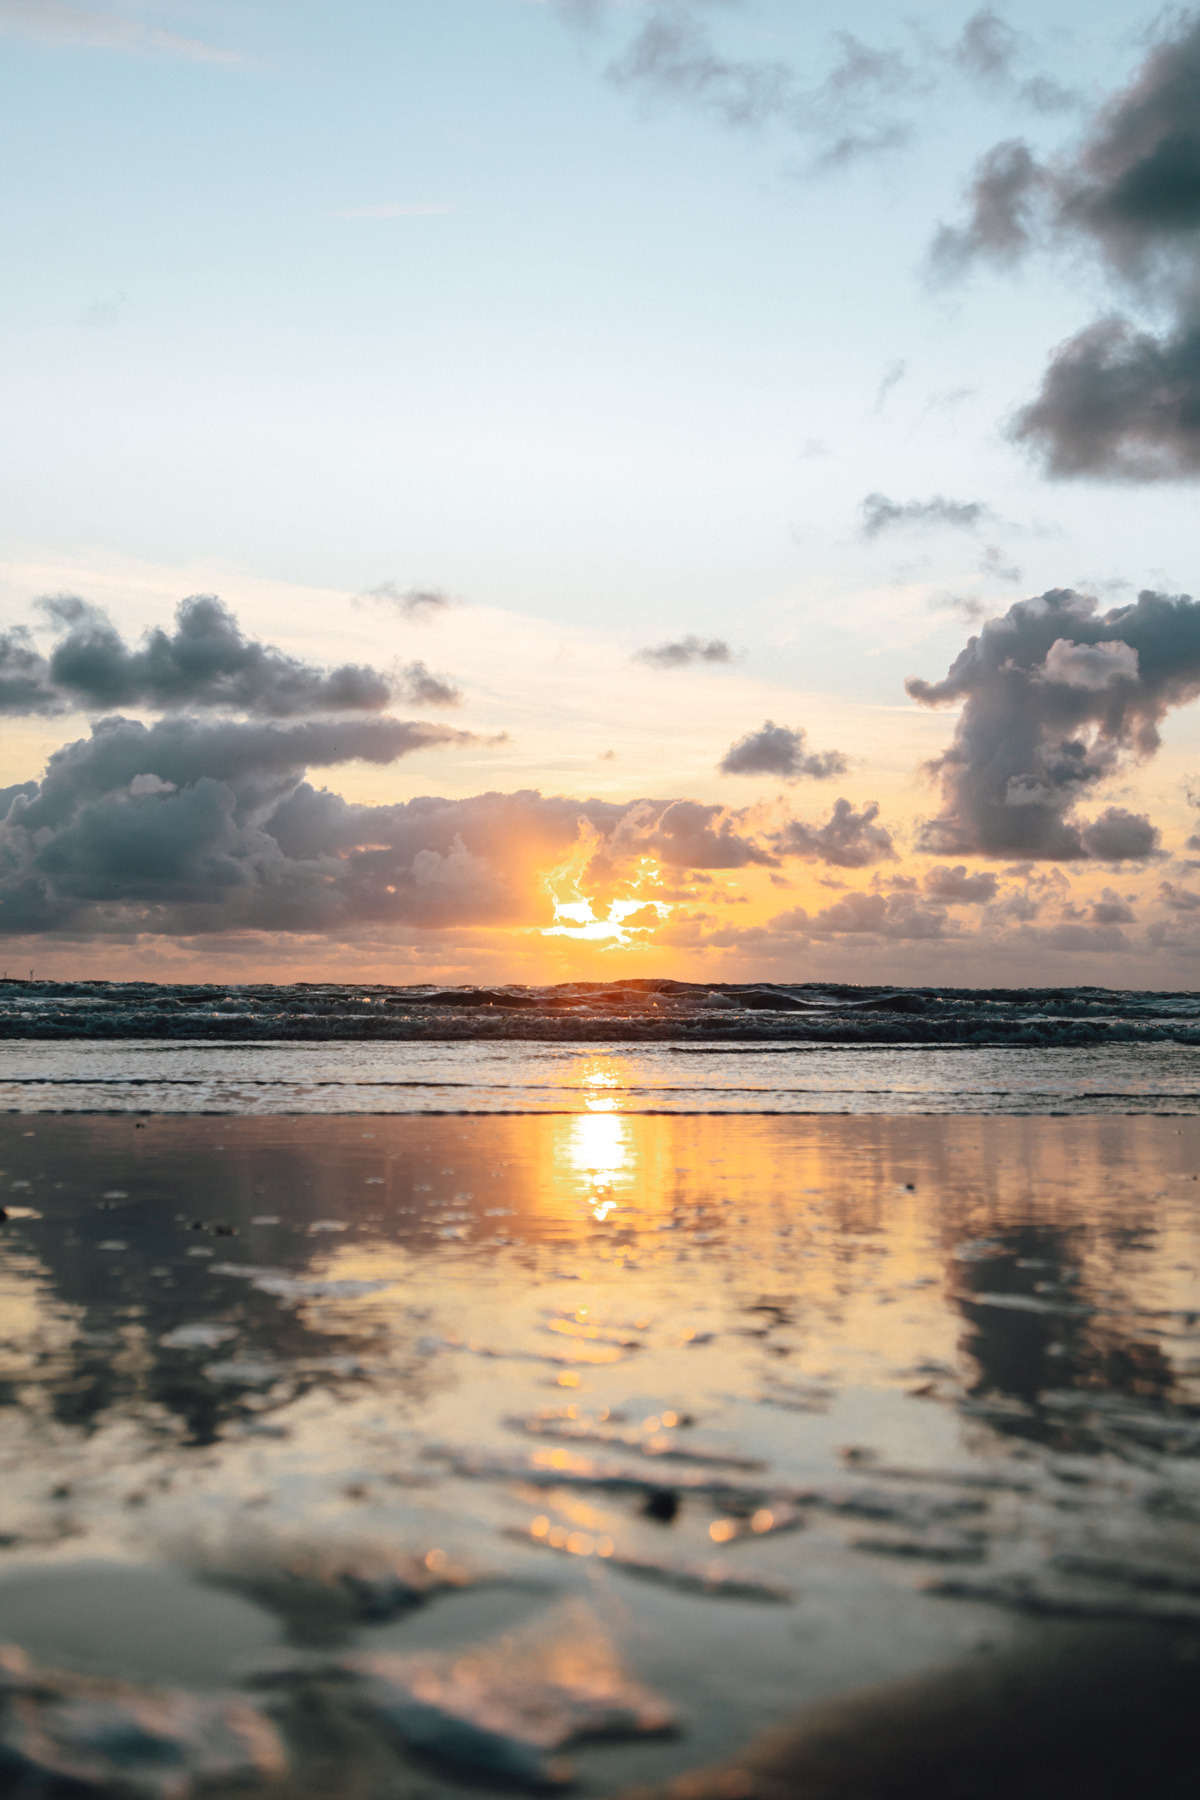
(738, 1456)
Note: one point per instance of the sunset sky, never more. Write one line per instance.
(590, 414)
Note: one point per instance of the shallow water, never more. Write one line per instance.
(79, 1075)
(762, 1411)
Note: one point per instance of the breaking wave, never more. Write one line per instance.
(629, 1012)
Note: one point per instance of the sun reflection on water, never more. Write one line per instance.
(599, 1144)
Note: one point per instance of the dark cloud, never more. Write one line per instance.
(205, 662)
(682, 652)
(168, 827)
(779, 750)
(879, 514)
(250, 759)
(954, 887)
(1120, 402)
(25, 685)
(411, 603)
(1118, 399)
(847, 840)
(1056, 698)
(1120, 836)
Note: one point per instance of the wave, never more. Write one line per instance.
(635, 1011)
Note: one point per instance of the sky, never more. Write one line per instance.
(524, 490)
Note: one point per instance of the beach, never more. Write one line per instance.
(600, 889)
(725, 1420)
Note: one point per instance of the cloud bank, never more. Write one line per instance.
(1057, 698)
(191, 827)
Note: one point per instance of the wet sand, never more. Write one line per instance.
(807, 1452)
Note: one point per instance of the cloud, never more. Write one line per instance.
(993, 565)
(849, 113)
(686, 834)
(206, 662)
(847, 840)
(954, 887)
(412, 603)
(1091, 939)
(682, 652)
(1119, 836)
(95, 28)
(1092, 666)
(1110, 909)
(888, 916)
(990, 52)
(1118, 400)
(24, 677)
(419, 687)
(167, 827)
(252, 757)
(1056, 699)
(864, 102)
(895, 915)
(779, 750)
(1179, 899)
(968, 606)
(1004, 196)
(879, 514)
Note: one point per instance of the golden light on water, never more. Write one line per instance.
(600, 1146)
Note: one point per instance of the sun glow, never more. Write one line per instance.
(575, 914)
